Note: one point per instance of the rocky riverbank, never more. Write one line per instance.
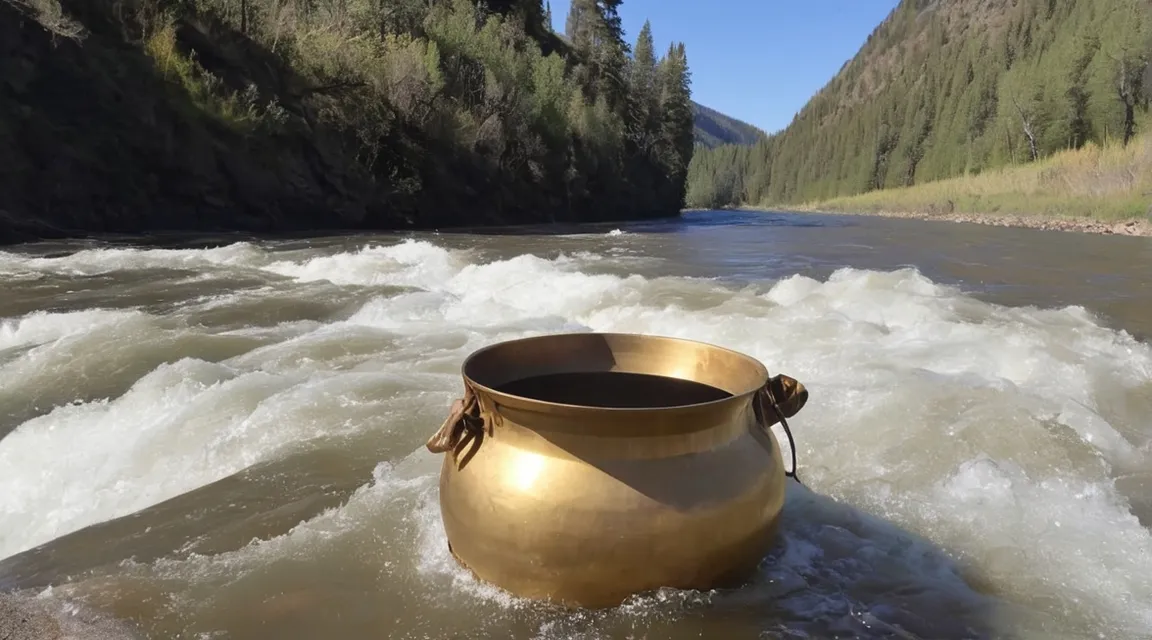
(26, 617)
(1082, 225)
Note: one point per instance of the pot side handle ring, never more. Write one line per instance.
(781, 398)
(468, 415)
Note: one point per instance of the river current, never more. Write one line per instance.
(223, 437)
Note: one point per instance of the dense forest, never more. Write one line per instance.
(943, 89)
(141, 115)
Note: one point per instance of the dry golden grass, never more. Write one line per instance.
(1110, 183)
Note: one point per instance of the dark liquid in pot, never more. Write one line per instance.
(613, 389)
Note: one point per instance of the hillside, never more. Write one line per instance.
(944, 89)
(1096, 189)
(714, 128)
(262, 115)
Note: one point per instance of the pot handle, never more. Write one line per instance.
(467, 416)
(780, 399)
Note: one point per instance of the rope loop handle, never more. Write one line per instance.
(468, 415)
(784, 397)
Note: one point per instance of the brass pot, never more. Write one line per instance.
(568, 479)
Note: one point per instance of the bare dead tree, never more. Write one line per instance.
(283, 19)
(1028, 123)
(50, 15)
(1130, 72)
(1147, 76)
(1008, 139)
(1133, 68)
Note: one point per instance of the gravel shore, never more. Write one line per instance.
(1082, 225)
(26, 617)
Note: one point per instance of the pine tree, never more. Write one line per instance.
(642, 71)
(594, 28)
(643, 94)
(677, 121)
(579, 26)
(1077, 93)
(613, 27)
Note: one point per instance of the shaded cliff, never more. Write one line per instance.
(264, 115)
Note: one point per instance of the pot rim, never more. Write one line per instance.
(525, 402)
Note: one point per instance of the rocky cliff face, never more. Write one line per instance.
(126, 116)
(97, 140)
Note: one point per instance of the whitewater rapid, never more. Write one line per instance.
(1001, 437)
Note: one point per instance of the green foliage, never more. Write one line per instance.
(202, 87)
(945, 89)
(476, 78)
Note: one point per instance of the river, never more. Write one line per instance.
(223, 438)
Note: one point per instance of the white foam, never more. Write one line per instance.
(981, 427)
(409, 263)
(392, 488)
(41, 326)
(180, 427)
(100, 261)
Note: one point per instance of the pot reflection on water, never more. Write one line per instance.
(584, 468)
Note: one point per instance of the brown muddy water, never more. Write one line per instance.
(225, 439)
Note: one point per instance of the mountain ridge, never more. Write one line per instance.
(713, 128)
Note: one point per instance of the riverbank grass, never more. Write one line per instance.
(1107, 184)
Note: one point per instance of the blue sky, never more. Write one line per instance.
(755, 60)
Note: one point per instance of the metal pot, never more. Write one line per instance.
(584, 468)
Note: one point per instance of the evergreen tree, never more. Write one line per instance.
(644, 96)
(643, 66)
(1077, 93)
(676, 108)
(594, 28)
(613, 26)
(579, 26)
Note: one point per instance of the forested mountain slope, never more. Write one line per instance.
(139, 115)
(714, 128)
(946, 88)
